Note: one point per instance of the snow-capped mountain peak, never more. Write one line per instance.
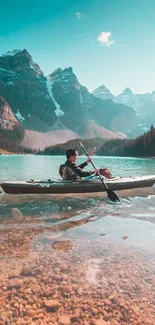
(12, 53)
(102, 89)
(103, 93)
(127, 90)
(143, 104)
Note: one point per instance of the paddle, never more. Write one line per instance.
(111, 195)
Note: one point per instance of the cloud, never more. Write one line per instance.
(78, 15)
(104, 39)
(1, 38)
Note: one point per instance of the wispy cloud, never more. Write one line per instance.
(104, 39)
(1, 38)
(78, 15)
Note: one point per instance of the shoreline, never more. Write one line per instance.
(2, 151)
(6, 152)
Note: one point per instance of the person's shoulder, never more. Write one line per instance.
(70, 163)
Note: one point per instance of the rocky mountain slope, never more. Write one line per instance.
(24, 87)
(40, 140)
(11, 131)
(78, 106)
(144, 105)
(7, 118)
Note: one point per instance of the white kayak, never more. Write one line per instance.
(83, 186)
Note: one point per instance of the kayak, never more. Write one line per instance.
(82, 186)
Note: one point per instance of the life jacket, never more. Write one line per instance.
(67, 173)
(61, 167)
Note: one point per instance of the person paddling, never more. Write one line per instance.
(71, 171)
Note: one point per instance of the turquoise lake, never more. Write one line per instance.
(22, 167)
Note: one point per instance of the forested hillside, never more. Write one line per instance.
(10, 139)
(92, 145)
(142, 146)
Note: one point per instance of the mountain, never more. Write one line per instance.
(127, 97)
(103, 93)
(11, 131)
(40, 140)
(7, 118)
(78, 107)
(143, 104)
(24, 87)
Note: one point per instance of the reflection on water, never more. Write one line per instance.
(77, 261)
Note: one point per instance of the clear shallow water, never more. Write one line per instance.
(84, 245)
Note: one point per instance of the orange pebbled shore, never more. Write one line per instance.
(49, 275)
(5, 152)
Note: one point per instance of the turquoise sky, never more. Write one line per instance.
(77, 33)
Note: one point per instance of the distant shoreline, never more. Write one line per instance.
(6, 152)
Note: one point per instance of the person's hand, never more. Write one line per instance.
(88, 160)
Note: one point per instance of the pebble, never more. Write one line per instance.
(15, 283)
(52, 304)
(64, 320)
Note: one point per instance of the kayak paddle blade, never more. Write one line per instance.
(112, 196)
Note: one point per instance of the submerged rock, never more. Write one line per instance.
(16, 214)
(64, 245)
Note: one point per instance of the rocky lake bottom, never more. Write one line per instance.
(77, 260)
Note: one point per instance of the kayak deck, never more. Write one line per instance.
(83, 186)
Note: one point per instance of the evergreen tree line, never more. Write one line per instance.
(92, 145)
(142, 146)
(10, 140)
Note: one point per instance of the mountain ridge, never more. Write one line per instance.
(143, 104)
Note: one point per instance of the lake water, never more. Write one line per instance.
(21, 167)
(76, 260)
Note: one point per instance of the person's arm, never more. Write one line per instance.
(83, 165)
(76, 169)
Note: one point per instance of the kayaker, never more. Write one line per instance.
(71, 171)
